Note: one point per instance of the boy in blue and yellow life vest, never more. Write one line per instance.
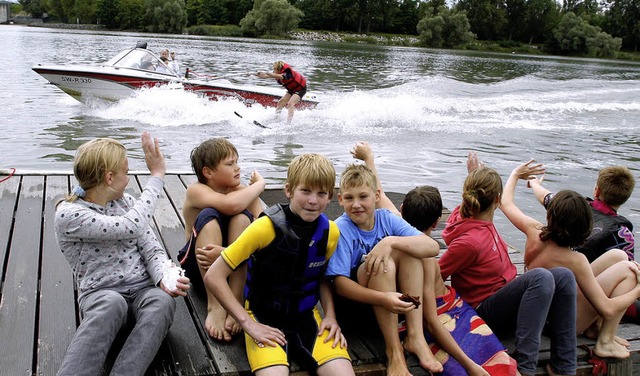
(294, 82)
(287, 251)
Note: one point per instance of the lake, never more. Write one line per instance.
(421, 109)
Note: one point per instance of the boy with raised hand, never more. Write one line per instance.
(613, 188)
(379, 253)
(461, 340)
(287, 250)
(217, 208)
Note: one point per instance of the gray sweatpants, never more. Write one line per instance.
(104, 313)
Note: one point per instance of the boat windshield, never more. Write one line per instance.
(140, 59)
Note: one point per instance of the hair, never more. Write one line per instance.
(278, 65)
(94, 159)
(422, 206)
(480, 190)
(312, 170)
(569, 219)
(209, 154)
(357, 175)
(616, 184)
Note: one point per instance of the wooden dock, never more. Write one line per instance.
(39, 312)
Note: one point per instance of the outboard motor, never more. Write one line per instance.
(142, 45)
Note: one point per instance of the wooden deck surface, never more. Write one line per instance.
(39, 313)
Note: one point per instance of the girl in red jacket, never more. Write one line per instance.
(477, 260)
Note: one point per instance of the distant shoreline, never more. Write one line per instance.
(376, 39)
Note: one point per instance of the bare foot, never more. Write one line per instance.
(232, 326)
(610, 350)
(420, 348)
(397, 366)
(622, 341)
(214, 324)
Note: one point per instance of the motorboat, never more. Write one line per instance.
(138, 67)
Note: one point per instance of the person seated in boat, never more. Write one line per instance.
(294, 82)
(457, 336)
(122, 273)
(613, 188)
(378, 255)
(606, 287)
(478, 262)
(217, 208)
(173, 63)
(163, 68)
(286, 251)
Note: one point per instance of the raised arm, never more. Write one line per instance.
(362, 151)
(538, 190)
(523, 222)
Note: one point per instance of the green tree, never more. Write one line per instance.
(85, 11)
(271, 17)
(164, 16)
(445, 28)
(622, 19)
(541, 16)
(130, 12)
(574, 35)
(107, 13)
(34, 7)
(488, 18)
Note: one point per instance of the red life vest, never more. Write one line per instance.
(294, 84)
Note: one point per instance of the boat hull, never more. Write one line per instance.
(113, 84)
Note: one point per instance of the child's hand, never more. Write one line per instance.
(362, 151)
(528, 170)
(473, 163)
(393, 303)
(153, 156)
(534, 180)
(255, 177)
(264, 334)
(335, 333)
(207, 255)
(182, 285)
(377, 260)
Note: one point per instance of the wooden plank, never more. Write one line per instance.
(58, 314)
(184, 339)
(8, 198)
(20, 289)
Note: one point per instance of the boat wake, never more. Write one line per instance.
(427, 105)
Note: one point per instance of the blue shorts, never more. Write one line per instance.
(187, 255)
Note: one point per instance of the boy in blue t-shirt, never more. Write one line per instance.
(377, 254)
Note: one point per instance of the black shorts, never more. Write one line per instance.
(300, 92)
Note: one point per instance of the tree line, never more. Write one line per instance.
(582, 27)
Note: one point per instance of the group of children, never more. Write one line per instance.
(264, 270)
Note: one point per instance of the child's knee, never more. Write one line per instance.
(616, 255)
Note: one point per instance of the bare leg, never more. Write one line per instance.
(291, 104)
(273, 371)
(340, 367)
(214, 323)
(388, 322)
(282, 102)
(238, 278)
(410, 277)
(615, 281)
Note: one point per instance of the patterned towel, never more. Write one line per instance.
(473, 336)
